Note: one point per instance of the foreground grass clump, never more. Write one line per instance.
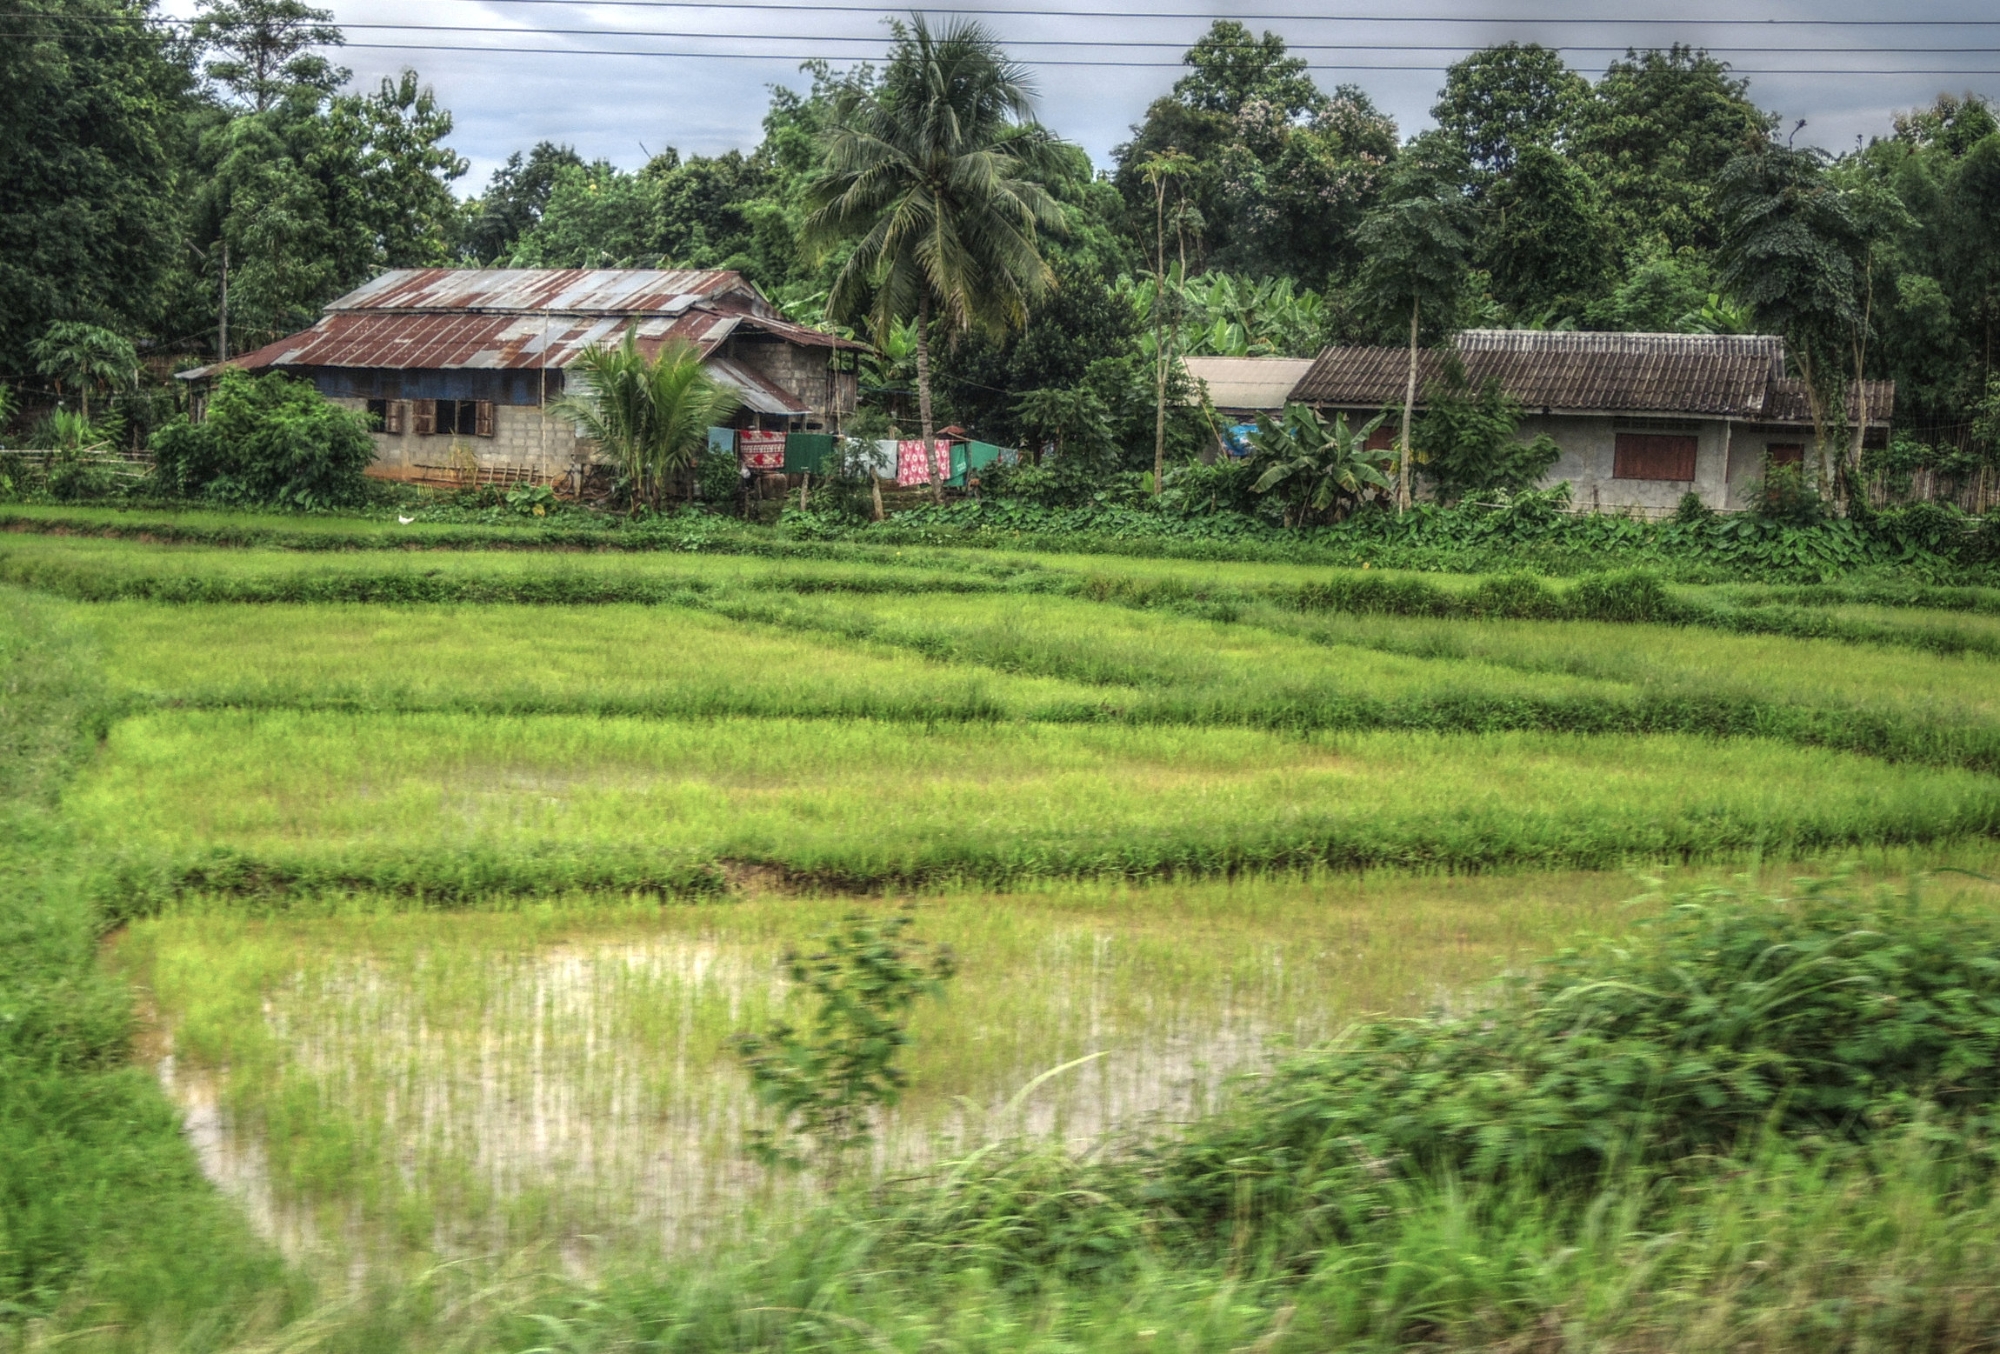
(451, 807)
(1760, 1123)
(106, 1226)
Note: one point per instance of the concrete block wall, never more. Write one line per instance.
(523, 439)
(1589, 448)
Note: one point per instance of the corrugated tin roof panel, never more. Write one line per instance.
(613, 291)
(757, 391)
(454, 341)
(1247, 382)
(1713, 375)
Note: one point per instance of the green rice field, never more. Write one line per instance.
(444, 877)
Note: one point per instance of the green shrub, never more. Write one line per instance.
(1826, 1021)
(267, 439)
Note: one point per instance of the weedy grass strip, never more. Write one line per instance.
(450, 807)
(106, 1225)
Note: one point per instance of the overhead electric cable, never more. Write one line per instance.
(506, 30)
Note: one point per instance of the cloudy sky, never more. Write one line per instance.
(625, 78)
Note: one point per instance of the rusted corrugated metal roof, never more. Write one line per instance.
(572, 291)
(1719, 376)
(444, 319)
(455, 341)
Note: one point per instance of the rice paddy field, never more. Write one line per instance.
(444, 878)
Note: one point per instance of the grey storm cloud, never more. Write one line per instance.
(707, 93)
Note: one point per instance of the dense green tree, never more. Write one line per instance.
(932, 181)
(1546, 241)
(1082, 319)
(1655, 134)
(1791, 245)
(598, 216)
(1281, 171)
(1468, 439)
(267, 439)
(1933, 281)
(312, 197)
(264, 49)
(402, 169)
(1416, 245)
(1501, 100)
(94, 109)
(516, 196)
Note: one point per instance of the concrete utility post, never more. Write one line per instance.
(222, 313)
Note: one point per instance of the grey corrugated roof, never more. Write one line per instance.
(1247, 382)
(1715, 375)
(1788, 403)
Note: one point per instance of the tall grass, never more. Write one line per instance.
(450, 806)
(105, 1225)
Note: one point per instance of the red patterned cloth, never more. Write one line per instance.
(910, 462)
(761, 451)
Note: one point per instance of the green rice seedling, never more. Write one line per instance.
(449, 806)
(91, 569)
(616, 659)
(562, 1073)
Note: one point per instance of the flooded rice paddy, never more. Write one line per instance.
(373, 1085)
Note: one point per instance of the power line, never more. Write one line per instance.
(1014, 12)
(878, 39)
(1130, 65)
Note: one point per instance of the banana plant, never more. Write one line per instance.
(1321, 470)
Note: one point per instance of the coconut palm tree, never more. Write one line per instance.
(932, 178)
(651, 415)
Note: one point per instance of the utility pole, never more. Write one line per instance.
(222, 314)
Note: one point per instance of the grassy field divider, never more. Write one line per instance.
(108, 1232)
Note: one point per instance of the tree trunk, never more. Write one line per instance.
(1853, 476)
(1816, 405)
(1159, 339)
(1409, 407)
(924, 395)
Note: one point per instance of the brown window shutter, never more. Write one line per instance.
(394, 420)
(1786, 453)
(1654, 456)
(482, 419)
(426, 415)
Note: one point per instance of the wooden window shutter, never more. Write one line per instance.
(1383, 438)
(1786, 453)
(426, 415)
(396, 417)
(1654, 456)
(482, 419)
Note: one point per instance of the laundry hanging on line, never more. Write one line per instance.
(760, 451)
(910, 467)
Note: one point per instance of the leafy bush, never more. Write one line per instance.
(1467, 443)
(267, 439)
(1828, 1020)
(1786, 496)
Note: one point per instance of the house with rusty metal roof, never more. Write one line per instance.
(461, 363)
(1641, 419)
